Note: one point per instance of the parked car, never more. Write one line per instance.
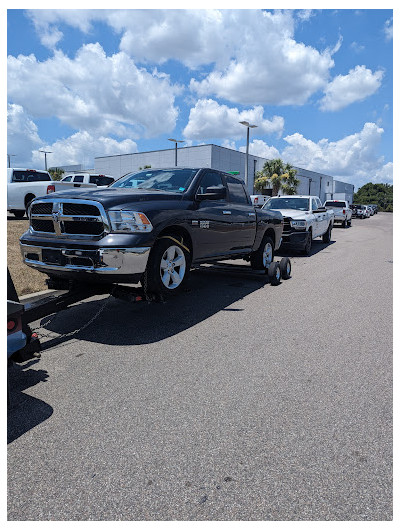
(370, 210)
(375, 208)
(150, 226)
(304, 219)
(259, 200)
(361, 211)
(342, 211)
(23, 185)
(16, 339)
(81, 180)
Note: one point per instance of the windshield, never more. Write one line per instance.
(172, 180)
(280, 203)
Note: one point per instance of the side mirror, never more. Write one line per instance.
(319, 210)
(212, 193)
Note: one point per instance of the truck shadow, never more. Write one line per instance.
(317, 247)
(24, 412)
(124, 323)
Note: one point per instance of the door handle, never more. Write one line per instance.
(226, 212)
(251, 214)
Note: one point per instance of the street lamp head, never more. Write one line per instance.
(247, 124)
(174, 140)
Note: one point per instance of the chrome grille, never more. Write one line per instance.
(68, 218)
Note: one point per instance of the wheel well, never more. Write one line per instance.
(271, 234)
(178, 232)
(28, 199)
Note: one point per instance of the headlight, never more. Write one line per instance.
(298, 224)
(129, 221)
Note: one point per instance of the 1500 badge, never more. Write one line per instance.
(204, 224)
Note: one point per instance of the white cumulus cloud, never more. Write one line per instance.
(357, 85)
(209, 119)
(94, 92)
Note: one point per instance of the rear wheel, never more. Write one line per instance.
(344, 223)
(19, 213)
(264, 256)
(168, 266)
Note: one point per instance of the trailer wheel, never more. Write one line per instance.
(168, 266)
(264, 256)
(286, 267)
(274, 273)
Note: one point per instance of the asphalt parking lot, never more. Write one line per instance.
(237, 400)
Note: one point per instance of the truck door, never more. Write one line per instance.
(210, 220)
(242, 215)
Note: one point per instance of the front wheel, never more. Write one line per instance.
(307, 245)
(168, 266)
(326, 238)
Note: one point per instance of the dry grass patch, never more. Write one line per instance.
(26, 279)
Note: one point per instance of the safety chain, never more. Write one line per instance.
(67, 334)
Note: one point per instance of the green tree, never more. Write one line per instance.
(277, 175)
(376, 194)
(56, 173)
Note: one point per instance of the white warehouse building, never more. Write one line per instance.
(225, 159)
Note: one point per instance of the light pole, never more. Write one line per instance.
(176, 148)
(45, 157)
(9, 159)
(246, 168)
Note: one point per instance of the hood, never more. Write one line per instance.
(110, 197)
(291, 213)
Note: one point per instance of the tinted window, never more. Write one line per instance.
(67, 179)
(100, 180)
(29, 176)
(210, 178)
(78, 179)
(237, 193)
(340, 204)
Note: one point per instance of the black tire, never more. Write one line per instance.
(349, 222)
(286, 267)
(161, 276)
(326, 238)
(19, 213)
(274, 273)
(344, 223)
(264, 256)
(308, 245)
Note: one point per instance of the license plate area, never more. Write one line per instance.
(53, 256)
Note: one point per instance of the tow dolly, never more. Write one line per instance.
(65, 294)
(68, 292)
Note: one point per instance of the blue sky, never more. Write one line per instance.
(318, 83)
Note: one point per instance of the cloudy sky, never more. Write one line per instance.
(318, 84)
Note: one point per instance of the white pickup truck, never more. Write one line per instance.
(341, 210)
(304, 219)
(81, 180)
(23, 186)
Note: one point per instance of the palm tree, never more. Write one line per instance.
(278, 175)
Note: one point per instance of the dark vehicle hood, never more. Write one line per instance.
(111, 197)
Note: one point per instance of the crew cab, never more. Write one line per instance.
(149, 226)
(304, 220)
(81, 180)
(341, 210)
(23, 185)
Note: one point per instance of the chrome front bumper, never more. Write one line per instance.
(121, 261)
